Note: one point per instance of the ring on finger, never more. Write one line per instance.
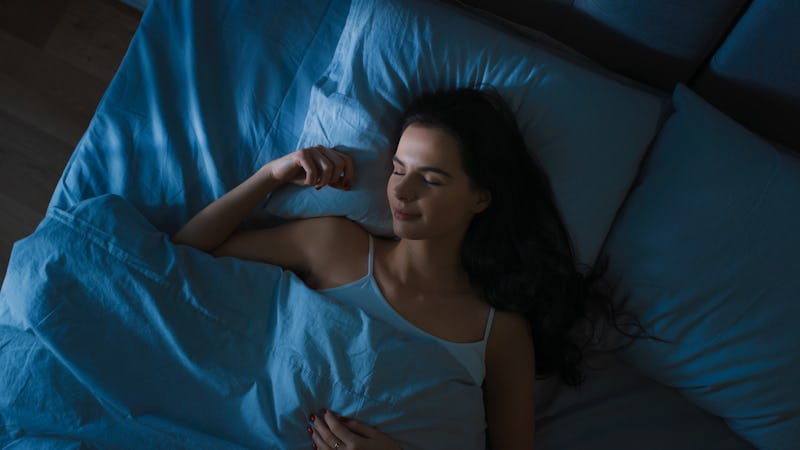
(337, 443)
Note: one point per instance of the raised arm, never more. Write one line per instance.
(314, 166)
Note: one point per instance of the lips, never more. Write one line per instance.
(404, 216)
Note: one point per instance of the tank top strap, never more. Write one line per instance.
(488, 324)
(371, 253)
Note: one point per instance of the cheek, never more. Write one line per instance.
(390, 184)
(451, 206)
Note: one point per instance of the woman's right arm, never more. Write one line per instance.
(213, 227)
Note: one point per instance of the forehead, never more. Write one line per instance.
(428, 145)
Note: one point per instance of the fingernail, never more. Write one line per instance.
(324, 411)
(310, 431)
(312, 418)
(343, 419)
(314, 446)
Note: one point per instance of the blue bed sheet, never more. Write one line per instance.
(206, 93)
(116, 337)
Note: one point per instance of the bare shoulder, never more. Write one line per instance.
(338, 251)
(508, 328)
(510, 342)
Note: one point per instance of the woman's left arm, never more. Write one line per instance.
(510, 379)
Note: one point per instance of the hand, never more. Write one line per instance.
(331, 433)
(316, 166)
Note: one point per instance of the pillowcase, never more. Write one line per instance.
(707, 248)
(589, 131)
(613, 409)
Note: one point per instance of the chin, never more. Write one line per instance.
(407, 231)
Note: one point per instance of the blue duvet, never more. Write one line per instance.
(114, 337)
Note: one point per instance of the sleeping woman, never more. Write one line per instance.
(481, 262)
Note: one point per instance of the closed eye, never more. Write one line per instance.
(397, 172)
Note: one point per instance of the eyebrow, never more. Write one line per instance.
(425, 168)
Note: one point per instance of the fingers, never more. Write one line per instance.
(320, 434)
(359, 428)
(328, 433)
(337, 428)
(338, 174)
(325, 167)
(305, 159)
(347, 171)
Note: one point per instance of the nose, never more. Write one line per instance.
(403, 190)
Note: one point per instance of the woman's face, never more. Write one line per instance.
(430, 194)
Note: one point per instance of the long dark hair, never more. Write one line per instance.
(517, 252)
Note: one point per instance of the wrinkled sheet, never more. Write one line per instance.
(207, 92)
(113, 336)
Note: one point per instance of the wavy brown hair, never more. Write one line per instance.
(517, 252)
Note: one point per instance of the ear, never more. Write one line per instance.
(483, 199)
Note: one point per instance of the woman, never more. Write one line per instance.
(482, 256)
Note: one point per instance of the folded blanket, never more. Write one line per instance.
(112, 336)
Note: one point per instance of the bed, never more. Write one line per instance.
(113, 337)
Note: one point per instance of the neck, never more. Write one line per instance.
(430, 264)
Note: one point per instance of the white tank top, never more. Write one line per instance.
(364, 293)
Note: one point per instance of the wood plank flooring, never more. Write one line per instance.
(56, 60)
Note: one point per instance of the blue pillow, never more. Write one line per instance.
(613, 409)
(589, 130)
(707, 248)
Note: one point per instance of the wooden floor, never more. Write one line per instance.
(56, 60)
